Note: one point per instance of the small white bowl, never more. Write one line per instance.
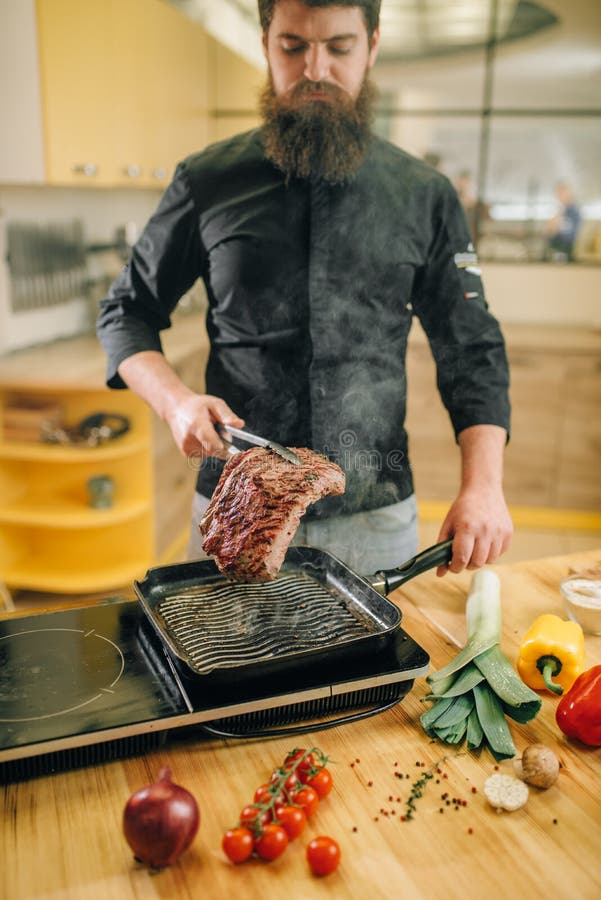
(582, 601)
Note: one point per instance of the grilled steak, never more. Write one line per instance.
(256, 508)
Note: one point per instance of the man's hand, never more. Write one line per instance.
(191, 417)
(481, 528)
(192, 422)
(478, 521)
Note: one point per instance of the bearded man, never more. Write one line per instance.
(318, 242)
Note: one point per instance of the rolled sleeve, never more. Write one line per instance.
(465, 338)
(165, 262)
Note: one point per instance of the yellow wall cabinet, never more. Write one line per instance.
(51, 536)
(113, 93)
(124, 90)
(235, 88)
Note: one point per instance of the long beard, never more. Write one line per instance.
(317, 138)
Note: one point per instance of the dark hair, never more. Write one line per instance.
(369, 8)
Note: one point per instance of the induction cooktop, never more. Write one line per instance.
(91, 684)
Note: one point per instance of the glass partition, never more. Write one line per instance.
(504, 97)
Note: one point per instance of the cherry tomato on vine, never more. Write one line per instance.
(292, 819)
(291, 782)
(264, 794)
(272, 842)
(323, 855)
(307, 798)
(304, 767)
(251, 815)
(322, 782)
(238, 844)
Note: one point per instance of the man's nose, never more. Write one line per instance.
(317, 63)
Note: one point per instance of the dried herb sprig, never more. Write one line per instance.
(418, 786)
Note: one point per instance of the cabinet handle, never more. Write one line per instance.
(132, 171)
(160, 173)
(87, 169)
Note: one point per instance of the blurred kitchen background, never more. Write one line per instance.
(100, 99)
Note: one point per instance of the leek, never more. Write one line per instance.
(474, 693)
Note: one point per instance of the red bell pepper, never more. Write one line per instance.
(578, 713)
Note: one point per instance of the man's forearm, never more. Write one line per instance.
(149, 375)
(478, 520)
(482, 448)
(191, 417)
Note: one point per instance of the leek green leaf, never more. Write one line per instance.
(493, 722)
(465, 681)
(507, 684)
(428, 719)
(475, 734)
(453, 734)
(458, 711)
(438, 680)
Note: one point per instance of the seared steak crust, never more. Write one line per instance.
(257, 506)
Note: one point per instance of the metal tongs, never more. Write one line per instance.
(284, 452)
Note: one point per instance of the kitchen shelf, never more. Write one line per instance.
(44, 500)
(51, 537)
(83, 559)
(65, 515)
(50, 454)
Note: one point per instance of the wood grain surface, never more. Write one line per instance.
(61, 835)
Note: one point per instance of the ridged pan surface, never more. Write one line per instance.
(214, 624)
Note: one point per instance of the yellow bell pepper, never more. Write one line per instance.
(551, 654)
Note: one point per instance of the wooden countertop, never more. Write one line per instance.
(61, 835)
(81, 361)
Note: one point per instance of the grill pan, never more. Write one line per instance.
(316, 609)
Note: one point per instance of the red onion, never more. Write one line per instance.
(160, 821)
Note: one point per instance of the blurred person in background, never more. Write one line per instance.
(562, 230)
(476, 210)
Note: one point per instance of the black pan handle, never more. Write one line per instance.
(301, 729)
(438, 555)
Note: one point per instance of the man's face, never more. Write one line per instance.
(322, 45)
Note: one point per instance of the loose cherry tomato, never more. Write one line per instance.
(251, 817)
(304, 767)
(292, 819)
(238, 844)
(323, 855)
(272, 842)
(322, 782)
(307, 798)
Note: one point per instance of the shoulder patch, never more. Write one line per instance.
(463, 260)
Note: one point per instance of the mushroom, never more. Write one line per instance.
(538, 766)
(505, 792)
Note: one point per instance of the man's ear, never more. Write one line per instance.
(264, 43)
(374, 46)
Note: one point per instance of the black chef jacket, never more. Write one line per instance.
(311, 292)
